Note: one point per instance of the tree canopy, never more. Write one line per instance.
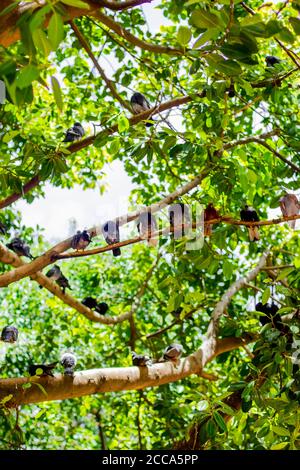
(222, 128)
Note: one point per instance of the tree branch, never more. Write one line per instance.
(8, 257)
(10, 33)
(108, 82)
(47, 258)
(117, 6)
(281, 157)
(52, 255)
(35, 180)
(134, 40)
(94, 381)
(31, 184)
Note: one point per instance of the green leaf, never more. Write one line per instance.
(205, 19)
(6, 399)
(27, 385)
(220, 421)
(57, 93)
(211, 428)
(280, 431)
(41, 42)
(246, 405)
(228, 268)
(229, 67)
(39, 414)
(114, 146)
(211, 33)
(184, 35)
(9, 136)
(55, 30)
(123, 123)
(284, 273)
(295, 22)
(266, 295)
(279, 446)
(38, 18)
(286, 36)
(76, 3)
(26, 76)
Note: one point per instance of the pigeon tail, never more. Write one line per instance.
(253, 233)
(208, 230)
(116, 252)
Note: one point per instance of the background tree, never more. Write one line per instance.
(225, 131)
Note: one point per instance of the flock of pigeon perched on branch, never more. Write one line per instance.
(68, 360)
(179, 216)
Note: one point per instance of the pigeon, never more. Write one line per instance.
(146, 226)
(270, 313)
(3, 228)
(210, 213)
(20, 247)
(139, 105)
(68, 361)
(173, 352)
(271, 60)
(271, 316)
(74, 133)
(63, 283)
(111, 235)
(179, 214)
(55, 274)
(176, 313)
(100, 307)
(81, 240)
(46, 368)
(290, 205)
(250, 215)
(140, 360)
(9, 334)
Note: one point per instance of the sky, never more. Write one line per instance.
(59, 206)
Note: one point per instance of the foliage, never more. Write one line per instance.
(51, 84)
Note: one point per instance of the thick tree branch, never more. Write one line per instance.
(47, 258)
(31, 184)
(53, 254)
(94, 381)
(10, 33)
(102, 74)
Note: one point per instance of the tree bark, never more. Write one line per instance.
(115, 379)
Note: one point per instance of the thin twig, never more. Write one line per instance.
(90, 53)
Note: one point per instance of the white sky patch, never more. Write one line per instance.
(60, 206)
